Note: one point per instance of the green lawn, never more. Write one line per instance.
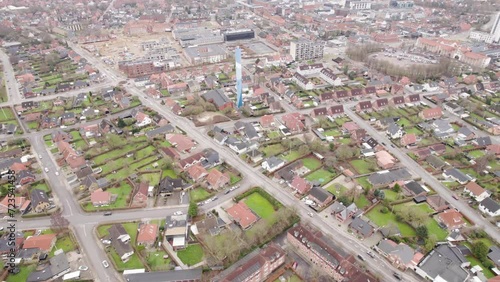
(476, 154)
(361, 201)
(363, 181)
(332, 132)
(345, 141)
(102, 230)
(273, 134)
(423, 206)
(336, 189)
(156, 261)
(321, 175)
(291, 156)
(42, 186)
(382, 220)
(199, 194)
(133, 263)
(433, 228)
(361, 166)
(260, 205)
(75, 135)
(414, 130)
(153, 178)
(131, 228)
(23, 275)
(168, 172)
(65, 243)
(474, 261)
(273, 150)
(192, 255)
(234, 178)
(311, 163)
(6, 114)
(404, 122)
(121, 201)
(391, 195)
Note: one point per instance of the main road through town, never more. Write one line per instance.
(378, 266)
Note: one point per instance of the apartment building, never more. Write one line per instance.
(306, 50)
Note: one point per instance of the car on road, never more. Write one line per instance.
(361, 258)
(227, 191)
(215, 198)
(397, 275)
(106, 242)
(311, 214)
(40, 157)
(370, 253)
(455, 197)
(1, 228)
(199, 204)
(46, 169)
(383, 143)
(178, 213)
(108, 213)
(57, 172)
(83, 268)
(105, 263)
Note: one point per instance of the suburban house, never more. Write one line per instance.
(242, 215)
(414, 189)
(218, 98)
(361, 227)
(326, 254)
(57, 267)
(400, 255)
(197, 172)
(337, 110)
(176, 230)
(147, 234)
(489, 207)
(39, 201)
(140, 198)
(191, 160)
(394, 131)
(142, 119)
(267, 121)
(217, 179)
(168, 185)
(456, 175)
(24, 177)
(385, 160)
(437, 203)
(120, 241)
(100, 198)
(342, 213)
(294, 122)
(320, 196)
(303, 81)
(444, 263)
(386, 177)
(212, 225)
(452, 219)
(408, 139)
(431, 113)
(435, 162)
(256, 266)
(44, 242)
(182, 143)
(364, 106)
(272, 164)
(20, 203)
(476, 191)
(300, 185)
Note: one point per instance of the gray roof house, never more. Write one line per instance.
(456, 175)
(57, 267)
(272, 164)
(444, 263)
(494, 255)
(386, 177)
(489, 207)
(399, 254)
(217, 97)
(120, 241)
(362, 227)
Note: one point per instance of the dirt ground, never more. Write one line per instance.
(209, 118)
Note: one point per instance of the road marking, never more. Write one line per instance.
(69, 206)
(85, 231)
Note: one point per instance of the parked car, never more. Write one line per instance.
(178, 213)
(46, 169)
(57, 172)
(83, 268)
(397, 275)
(455, 197)
(227, 191)
(361, 258)
(311, 214)
(107, 213)
(105, 263)
(370, 253)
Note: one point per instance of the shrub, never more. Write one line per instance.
(384, 210)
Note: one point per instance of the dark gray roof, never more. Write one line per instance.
(38, 196)
(361, 226)
(445, 261)
(274, 161)
(58, 264)
(165, 276)
(393, 128)
(494, 254)
(483, 141)
(457, 174)
(319, 193)
(387, 177)
(6, 163)
(402, 251)
(217, 96)
(490, 205)
(435, 161)
(415, 187)
(160, 130)
(167, 184)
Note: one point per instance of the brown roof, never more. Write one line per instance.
(451, 218)
(300, 184)
(215, 176)
(147, 233)
(242, 214)
(42, 242)
(99, 196)
(196, 171)
(474, 188)
(409, 138)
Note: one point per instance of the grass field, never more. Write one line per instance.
(311, 163)
(122, 193)
(474, 261)
(65, 243)
(41, 185)
(260, 205)
(476, 154)
(273, 150)
(291, 156)
(332, 132)
(391, 195)
(361, 166)
(363, 181)
(423, 207)
(382, 220)
(336, 189)
(404, 122)
(414, 130)
(156, 261)
(321, 175)
(6, 114)
(133, 263)
(361, 201)
(153, 178)
(192, 255)
(23, 275)
(199, 194)
(433, 228)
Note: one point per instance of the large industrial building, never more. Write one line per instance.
(306, 50)
(197, 36)
(205, 54)
(241, 34)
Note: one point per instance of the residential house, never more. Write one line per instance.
(171, 153)
(211, 225)
(272, 164)
(319, 112)
(385, 160)
(142, 119)
(464, 133)
(358, 135)
(490, 207)
(385, 178)
(397, 101)
(294, 122)
(256, 266)
(68, 118)
(435, 162)
(342, 94)
(494, 255)
(437, 203)
(120, 242)
(218, 98)
(39, 201)
(400, 255)
(24, 177)
(456, 175)
(168, 185)
(176, 231)
(320, 196)
(57, 267)
(364, 106)
(326, 97)
(414, 189)
(361, 227)
(330, 77)
(482, 141)
(217, 179)
(44, 242)
(452, 219)
(100, 198)
(337, 110)
(242, 215)
(140, 198)
(197, 172)
(20, 203)
(303, 81)
(267, 121)
(437, 149)
(342, 213)
(408, 139)
(357, 92)
(444, 263)
(431, 113)
(476, 191)
(380, 104)
(394, 131)
(182, 143)
(493, 149)
(147, 234)
(300, 185)
(180, 275)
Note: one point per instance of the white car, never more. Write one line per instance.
(83, 268)
(46, 169)
(105, 263)
(178, 213)
(311, 214)
(40, 157)
(57, 172)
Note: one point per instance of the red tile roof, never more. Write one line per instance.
(147, 233)
(242, 214)
(43, 242)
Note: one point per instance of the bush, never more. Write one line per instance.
(384, 210)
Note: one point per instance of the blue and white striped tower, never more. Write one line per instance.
(239, 97)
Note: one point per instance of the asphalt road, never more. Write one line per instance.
(443, 191)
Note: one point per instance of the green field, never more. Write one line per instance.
(433, 228)
(122, 193)
(133, 263)
(390, 195)
(404, 122)
(23, 275)
(361, 166)
(423, 207)
(192, 255)
(363, 181)
(389, 218)
(414, 130)
(336, 189)
(156, 261)
(273, 150)
(199, 194)
(474, 261)
(332, 132)
(153, 178)
(6, 114)
(291, 156)
(40, 185)
(321, 175)
(65, 243)
(361, 201)
(260, 205)
(311, 163)
(476, 153)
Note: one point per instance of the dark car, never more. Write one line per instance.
(397, 275)
(107, 213)
(43, 257)
(361, 258)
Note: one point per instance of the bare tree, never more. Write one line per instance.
(58, 222)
